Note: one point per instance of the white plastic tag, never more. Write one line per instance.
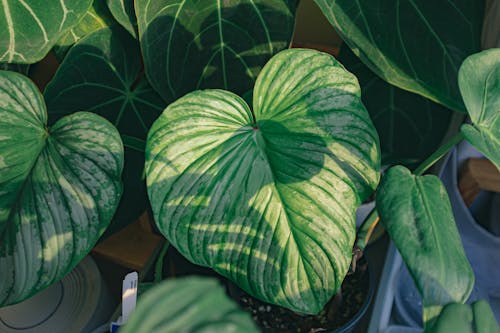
(129, 300)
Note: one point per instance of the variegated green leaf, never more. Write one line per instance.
(479, 80)
(189, 305)
(416, 213)
(97, 17)
(189, 45)
(123, 11)
(102, 74)
(59, 188)
(267, 198)
(416, 45)
(29, 28)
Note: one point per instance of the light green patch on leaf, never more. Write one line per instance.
(464, 318)
(416, 213)
(192, 304)
(97, 17)
(479, 80)
(29, 28)
(102, 73)
(190, 45)
(415, 45)
(59, 188)
(267, 197)
(123, 11)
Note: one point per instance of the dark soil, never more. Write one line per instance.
(273, 319)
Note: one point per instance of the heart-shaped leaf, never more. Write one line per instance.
(416, 213)
(479, 80)
(189, 45)
(464, 318)
(192, 304)
(29, 28)
(268, 198)
(102, 74)
(410, 127)
(97, 17)
(123, 11)
(416, 45)
(59, 188)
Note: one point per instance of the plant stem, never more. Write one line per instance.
(159, 262)
(438, 154)
(366, 229)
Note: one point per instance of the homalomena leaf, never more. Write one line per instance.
(29, 28)
(416, 45)
(410, 126)
(97, 17)
(267, 198)
(189, 45)
(123, 11)
(102, 74)
(464, 318)
(479, 80)
(59, 188)
(192, 304)
(416, 213)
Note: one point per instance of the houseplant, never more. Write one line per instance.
(198, 175)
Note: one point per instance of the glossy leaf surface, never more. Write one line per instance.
(416, 45)
(479, 80)
(192, 304)
(102, 74)
(59, 188)
(123, 11)
(97, 17)
(416, 213)
(410, 127)
(29, 28)
(464, 318)
(189, 45)
(268, 198)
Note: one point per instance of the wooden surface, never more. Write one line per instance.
(478, 174)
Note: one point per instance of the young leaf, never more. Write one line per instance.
(102, 74)
(97, 17)
(268, 198)
(192, 304)
(416, 213)
(416, 45)
(123, 11)
(29, 28)
(464, 318)
(410, 127)
(479, 81)
(59, 188)
(189, 45)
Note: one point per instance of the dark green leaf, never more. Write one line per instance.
(479, 80)
(464, 318)
(410, 127)
(416, 213)
(59, 188)
(97, 17)
(102, 74)
(29, 28)
(269, 202)
(417, 45)
(189, 45)
(188, 305)
(123, 11)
